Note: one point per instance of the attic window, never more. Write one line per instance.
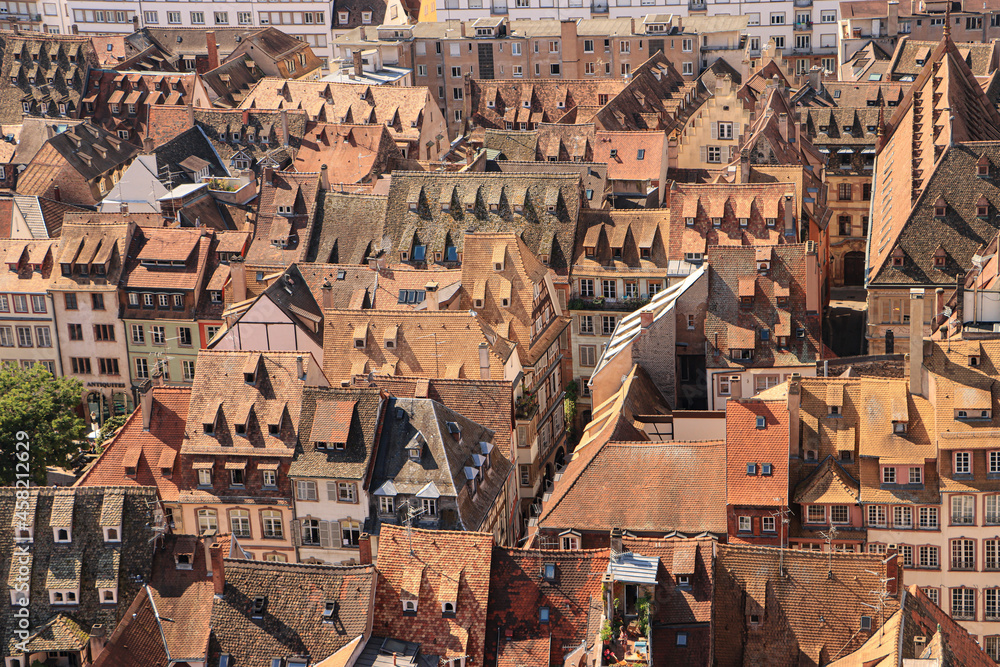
(940, 208)
(766, 469)
(549, 571)
(447, 608)
(689, 222)
(751, 469)
(761, 422)
(409, 606)
(866, 623)
(899, 427)
(329, 609)
(543, 614)
(641, 154)
(770, 222)
(973, 359)
(259, 604)
(983, 168)
(744, 222)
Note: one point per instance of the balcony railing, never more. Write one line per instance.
(803, 25)
(599, 8)
(25, 18)
(803, 3)
(600, 303)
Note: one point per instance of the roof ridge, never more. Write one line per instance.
(261, 564)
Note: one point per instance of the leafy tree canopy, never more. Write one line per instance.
(38, 409)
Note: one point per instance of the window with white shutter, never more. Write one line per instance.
(325, 540)
(715, 130)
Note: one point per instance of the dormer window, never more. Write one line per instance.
(899, 428)
(108, 595)
(940, 208)
(112, 534)
(447, 608)
(590, 252)
(549, 571)
(782, 300)
(258, 606)
(62, 535)
(360, 337)
(983, 167)
(939, 257)
(897, 256)
(689, 222)
(973, 360)
(717, 222)
(770, 222)
(983, 207)
(751, 469)
(284, 210)
(409, 607)
(746, 301)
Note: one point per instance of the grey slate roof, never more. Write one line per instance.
(545, 232)
(87, 561)
(351, 463)
(337, 243)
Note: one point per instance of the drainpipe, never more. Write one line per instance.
(55, 333)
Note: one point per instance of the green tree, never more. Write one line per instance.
(109, 428)
(39, 410)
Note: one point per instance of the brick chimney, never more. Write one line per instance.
(616, 540)
(790, 217)
(284, 128)
(300, 371)
(213, 50)
(190, 110)
(359, 69)
(208, 539)
(916, 339)
(431, 298)
(324, 177)
(327, 294)
(218, 570)
(365, 549)
(269, 175)
(646, 319)
(98, 639)
(238, 275)
(146, 402)
(56, 194)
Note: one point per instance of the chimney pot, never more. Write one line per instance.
(324, 177)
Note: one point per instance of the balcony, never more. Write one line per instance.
(803, 3)
(22, 18)
(599, 8)
(600, 303)
(498, 9)
(803, 26)
(525, 407)
(697, 6)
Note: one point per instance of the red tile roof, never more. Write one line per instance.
(641, 487)
(443, 566)
(519, 588)
(163, 439)
(626, 165)
(747, 444)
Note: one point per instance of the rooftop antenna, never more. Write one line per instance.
(829, 536)
(782, 516)
(411, 514)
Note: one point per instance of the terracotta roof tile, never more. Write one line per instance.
(437, 555)
(747, 444)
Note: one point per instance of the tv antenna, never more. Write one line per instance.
(829, 537)
(410, 513)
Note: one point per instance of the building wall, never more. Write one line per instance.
(256, 544)
(856, 207)
(327, 507)
(288, 17)
(889, 310)
(748, 380)
(701, 129)
(756, 535)
(169, 356)
(106, 385)
(10, 321)
(266, 327)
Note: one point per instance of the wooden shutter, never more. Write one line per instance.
(324, 535)
(715, 130)
(312, 491)
(732, 153)
(296, 532)
(704, 153)
(331, 491)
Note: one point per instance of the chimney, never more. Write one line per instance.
(914, 7)
(300, 370)
(783, 125)
(570, 48)
(98, 639)
(365, 546)
(484, 362)
(790, 216)
(146, 402)
(246, 116)
(461, 25)
(745, 165)
(362, 33)
(816, 78)
(123, 207)
(16, 28)
(794, 400)
(616, 540)
(218, 570)
(238, 276)
(938, 309)
(148, 146)
(269, 175)
(327, 294)
(190, 110)
(213, 50)
(324, 177)
(157, 377)
(135, 23)
(893, 26)
(284, 128)
(646, 319)
(207, 541)
(916, 338)
(56, 194)
(359, 66)
(431, 298)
